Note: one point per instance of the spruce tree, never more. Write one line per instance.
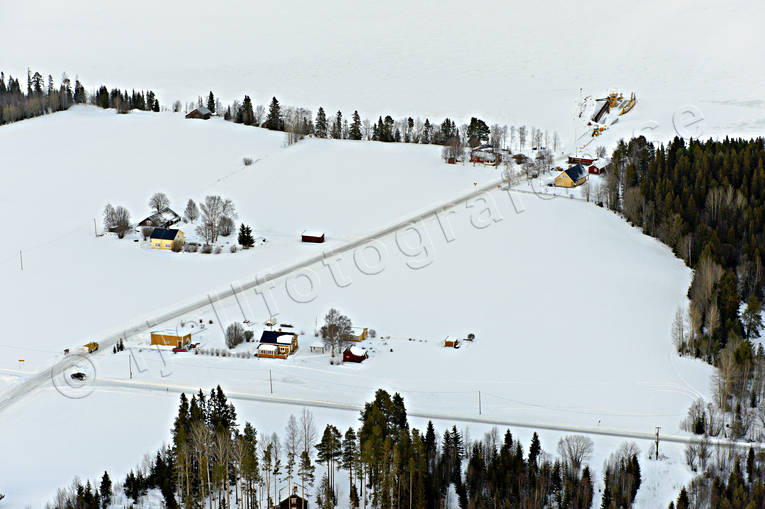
(534, 449)
(354, 132)
(320, 127)
(350, 450)
(245, 236)
(274, 118)
(248, 116)
(337, 126)
(211, 102)
(426, 129)
(106, 489)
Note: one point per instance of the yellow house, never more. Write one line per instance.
(572, 177)
(163, 238)
(169, 339)
(277, 344)
(361, 336)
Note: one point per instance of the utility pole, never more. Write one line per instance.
(95, 230)
(21, 260)
(130, 361)
(270, 381)
(479, 402)
(657, 441)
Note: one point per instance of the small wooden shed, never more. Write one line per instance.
(451, 342)
(355, 354)
(201, 113)
(313, 236)
(294, 501)
(597, 167)
(170, 339)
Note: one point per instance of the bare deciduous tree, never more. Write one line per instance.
(335, 331)
(575, 450)
(192, 211)
(214, 209)
(234, 335)
(116, 219)
(678, 331)
(159, 202)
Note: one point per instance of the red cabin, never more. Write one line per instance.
(315, 237)
(597, 168)
(584, 161)
(355, 354)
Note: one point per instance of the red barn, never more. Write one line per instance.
(355, 354)
(315, 237)
(584, 161)
(597, 167)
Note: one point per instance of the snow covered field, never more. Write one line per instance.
(571, 307)
(81, 286)
(511, 63)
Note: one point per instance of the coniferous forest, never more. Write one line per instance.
(215, 462)
(706, 200)
(42, 96)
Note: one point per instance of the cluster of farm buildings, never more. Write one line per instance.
(164, 236)
(273, 344)
(580, 167)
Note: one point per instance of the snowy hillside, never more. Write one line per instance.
(81, 286)
(511, 63)
(571, 307)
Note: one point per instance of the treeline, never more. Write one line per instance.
(727, 480)
(299, 122)
(213, 463)
(124, 102)
(706, 200)
(43, 96)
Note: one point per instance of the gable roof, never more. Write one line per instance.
(272, 337)
(164, 233)
(202, 110)
(167, 215)
(576, 172)
(355, 351)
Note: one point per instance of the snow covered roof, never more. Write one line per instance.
(313, 233)
(203, 110)
(164, 218)
(285, 339)
(360, 352)
(317, 344)
(267, 348)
